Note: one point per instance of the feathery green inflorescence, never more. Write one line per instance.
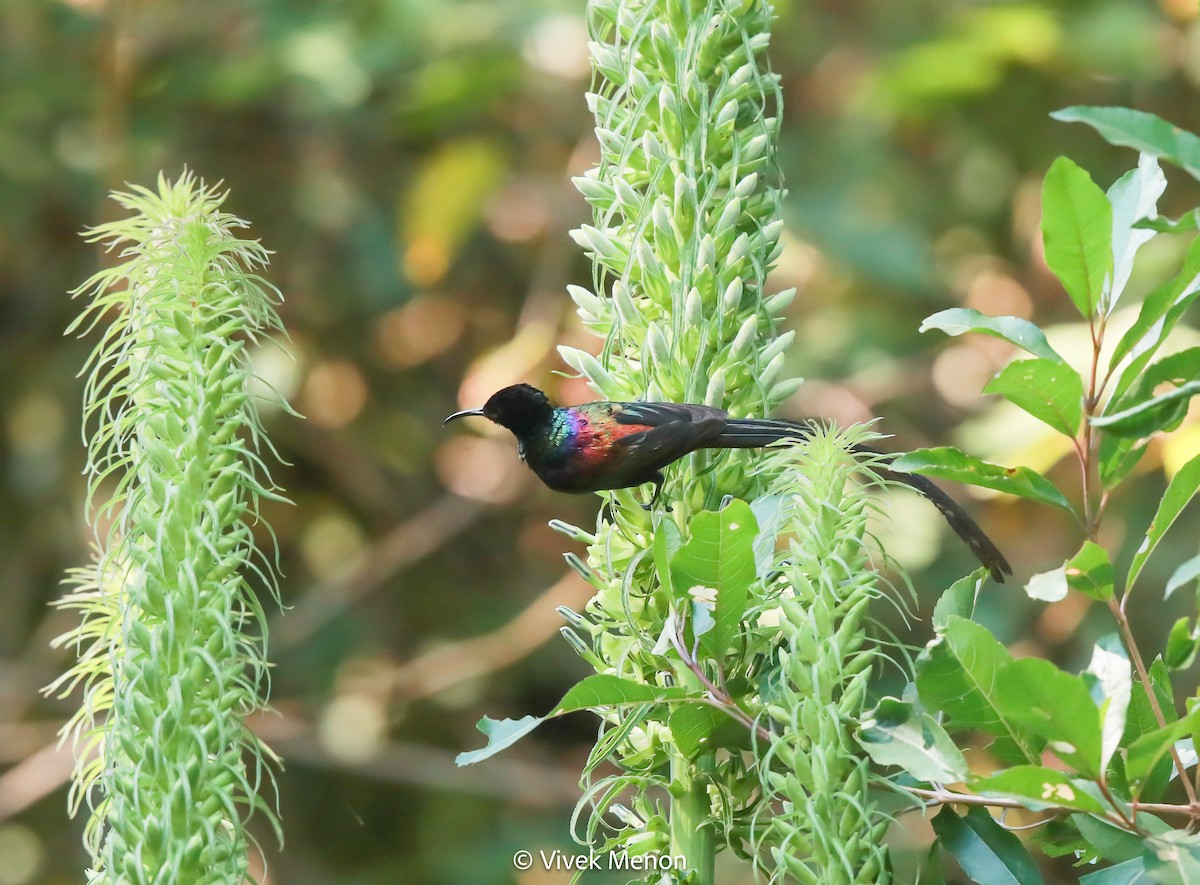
(686, 226)
(170, 650)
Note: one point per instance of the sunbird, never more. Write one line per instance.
(614, 445)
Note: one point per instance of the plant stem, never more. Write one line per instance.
(692, 837)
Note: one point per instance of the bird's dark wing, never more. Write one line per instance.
(658, 414)
(652, 449)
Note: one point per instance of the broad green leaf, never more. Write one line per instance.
(1159, 313)
(1048, 586)
(1137, 129)
(1173, 858)
(1182, 644)
(1118, 457)
(1184, 224)
(693, 726)
(1090, 572)
(987, 853)
(956, 675)
(959, 599)
(1127, 873)
(1077, 227)
(1133, 196)
(1054, 705)
(1186, 573)
(1024, 334)
(1176, 369)
(947, 462)
(501, 733)
(1113, 843)
(719, 554)
(1179, 493)
(1037, 788)
(898, 733)
(1052, 392)
(1149, 749)
(1151, 416)
(1111, 676)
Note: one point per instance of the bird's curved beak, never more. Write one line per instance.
(465, 413)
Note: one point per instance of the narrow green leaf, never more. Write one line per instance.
(1151, 416)
(946, 462)
(987, 853)
(1140, 130)
(1077, 223)
(1179, 493)
(1182, 644)
(1038, 788)
(959, 320)
(898, 733)
(1050, 391)
(667, 540)
(959, 599)
(1090, 572)
(606, 690)
(1054, 705)
(720, 555)
(1184, 224)
(957, 674)
(1146, 752)
(1118, 457)
(1187, 572)
(1159, 313)
(1112, 842)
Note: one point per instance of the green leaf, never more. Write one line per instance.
(1118, 457)
(947, 462)
(501, 733)
(1077, 227)
(1054, 705)
(987, 853)
(1024, 334)
(1179, 493)
(1187, 572)
(956, 675)
(1137, 129)
(667, 540)
(1112, 842)
(898, 733)
(1133, 196)
(1149, 749)
(1037, 788)
(1184, 224)
(1150, 416)
(1159, 313)
(1050, 391)
(719, 554)
(1182, 644)
(1176, 369)
(959, 599)
(693, 725)
(1090, 572)
(1126, 873)
(1173, 858)
(768, 512)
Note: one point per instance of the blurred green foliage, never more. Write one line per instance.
(408, 162)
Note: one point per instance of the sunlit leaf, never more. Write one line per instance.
(1151, 416)
(1187, 572)
(1179, 493)
(1050, 391)
(1133, 196)
(501, 734)
(1055, 706)
(1111, 678)
(1048, 586)
(899, 733)
(946, 462)
(1077, 228)
(959, 599)
(987, 852)
(959, 320)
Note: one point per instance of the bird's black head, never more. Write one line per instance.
(518, 407)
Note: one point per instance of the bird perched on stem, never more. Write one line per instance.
(598, 446)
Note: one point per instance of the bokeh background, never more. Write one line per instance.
(408, 163)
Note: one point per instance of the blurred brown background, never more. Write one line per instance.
(408, 162)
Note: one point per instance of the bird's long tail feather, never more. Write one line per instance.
(751, 433)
